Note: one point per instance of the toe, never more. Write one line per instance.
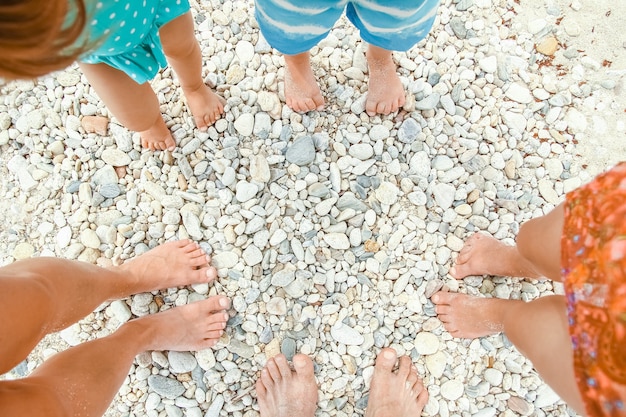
(266, 379)
(442, 297)
(405, 367)
(272, 369)
(422, 397)
(217, 303)
(261, 389)
(283, 365)
(214, 334)
(303, 365)
(386, 359)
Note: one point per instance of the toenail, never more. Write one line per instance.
(223, 302)
(388, 354)
(435, 298)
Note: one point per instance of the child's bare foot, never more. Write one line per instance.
(385, 92)
(171, 264)
(282, 392)
(158, 137)
(302, 93)
(470, 317)
(194, 326)
(395, 394)
(482, 254)
(206, 106)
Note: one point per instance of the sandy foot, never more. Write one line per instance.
(158, 137)
(302, 93)
(194, 326)
(385, 92)
(283, 392)
(482, 254)
(470, 317)
(171, 264)
(206, 106)
(395, 394)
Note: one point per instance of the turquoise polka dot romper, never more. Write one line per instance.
(127, 34)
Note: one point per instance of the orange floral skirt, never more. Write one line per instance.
(593, 261)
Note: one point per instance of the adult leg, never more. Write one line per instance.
(83, 380)
(135, 105)
(49, 294)
(538, 329)
(395, 394)
(385, 92)
(183, 52)
(283, 392)
(537, 252)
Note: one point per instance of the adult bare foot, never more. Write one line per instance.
(283, 392)
(206, 106)
(302, 93)
(385, 92)
(470, 317)
(171, 264)
(158, 137)
(482, 254)
(194, 326)
(395, 394)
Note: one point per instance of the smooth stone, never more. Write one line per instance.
(452, 389)
(337, 241)
(166, 387)
(181, 362)
(426, 343)
(115, 157)
(387, 193)
(346, 335)
(301, 152)
(519, 93)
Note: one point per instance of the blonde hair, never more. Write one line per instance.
(36, 37)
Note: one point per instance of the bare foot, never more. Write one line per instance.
(158, 137)
(194, 326)
(395, 394)
(282, 392)
(470, 317)
(385, 92)
(302, 93)
(482, 254)
(171, 264)
(206, 106)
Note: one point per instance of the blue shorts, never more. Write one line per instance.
(126, 34)
(295, 26)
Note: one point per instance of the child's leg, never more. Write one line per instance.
(536, 254)
(83, 380)
(183, 53)
(302, 93)
(385, 92)
(388, 26)
(539, 329)
(135, 105)
(293, 28)
(49, 294)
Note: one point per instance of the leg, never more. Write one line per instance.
(385, 92)
(539, 329)
(83, 380)
(395, 394)
(183, 53)
(282, 392)
(65, 291)
(135, 105)
(536, 254)
(302, 93)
